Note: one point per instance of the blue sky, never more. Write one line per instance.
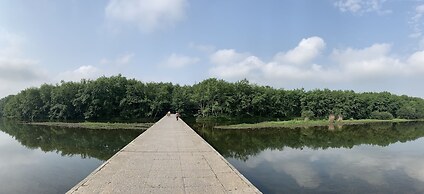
(373, 45)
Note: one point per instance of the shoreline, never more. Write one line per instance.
(310, 123)
(95, 125)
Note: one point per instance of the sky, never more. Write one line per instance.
(360, 45)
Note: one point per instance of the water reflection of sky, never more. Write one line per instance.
(24, 170)
(396, 168)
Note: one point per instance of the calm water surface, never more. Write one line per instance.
(377, 158)
(52, 160)
(386, 158)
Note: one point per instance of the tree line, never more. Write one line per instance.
(121, 99)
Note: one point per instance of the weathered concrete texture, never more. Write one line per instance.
(168, 158)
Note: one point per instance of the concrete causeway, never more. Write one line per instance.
(167, 158)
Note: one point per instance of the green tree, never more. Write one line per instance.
(413, 109)
(31, 104)
(119, 98)
(135, 104)
(62, 96)
(182, 101)
(3, 102)
(381, 115)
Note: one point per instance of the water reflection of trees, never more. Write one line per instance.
(100, 144)
(243, 143)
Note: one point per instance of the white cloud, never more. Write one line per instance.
(233, 65)
(298, 67)
(22, 74)
(371, 62)
(105, 67)
(14, 67)
(148, 15)
(238, 70)
(227, 56)
(416, 61)
(16, 71)
(282, 74)
(179, 61)
(20, 70)
(307, 50)
(361, 6)
(83, 72)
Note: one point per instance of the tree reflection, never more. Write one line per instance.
(100, 144)
(241, 144)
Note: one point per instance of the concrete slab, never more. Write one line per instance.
(167, 158)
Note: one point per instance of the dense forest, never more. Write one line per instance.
(119, 98)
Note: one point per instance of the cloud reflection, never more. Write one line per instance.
(371, 164)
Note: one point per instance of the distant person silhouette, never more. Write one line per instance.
(177, 115)
(168, 113)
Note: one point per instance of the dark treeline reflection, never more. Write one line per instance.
(100, 144)
(241, 144)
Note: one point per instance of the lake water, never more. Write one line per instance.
(52, 160)
(375, 158)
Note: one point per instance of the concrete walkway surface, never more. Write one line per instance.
(167, 158)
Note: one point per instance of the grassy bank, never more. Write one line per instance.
(302, 123)
(96, 125)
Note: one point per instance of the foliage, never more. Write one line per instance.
(307, 114)
(411, 110)
(381, 115)
(3, 103)
(117, 98)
